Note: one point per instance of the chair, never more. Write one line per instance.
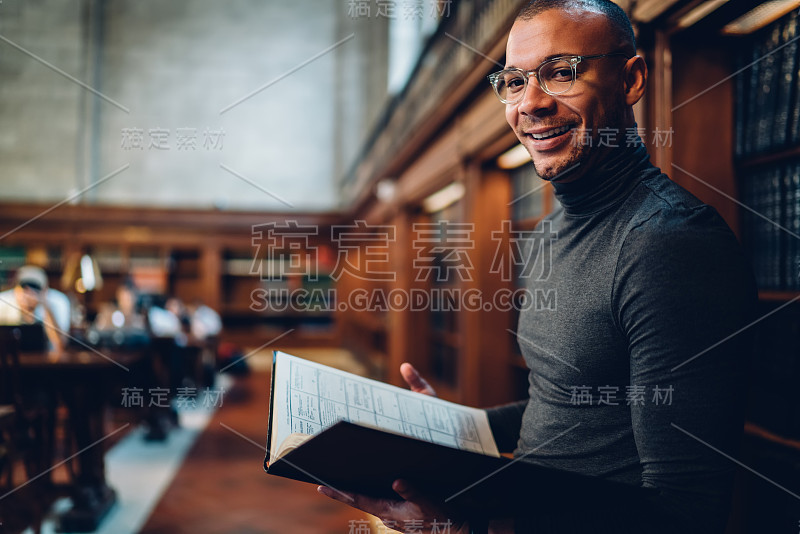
(22, 438)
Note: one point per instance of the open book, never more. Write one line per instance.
(308, 397)
(351, 433)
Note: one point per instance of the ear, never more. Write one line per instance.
(635, 79)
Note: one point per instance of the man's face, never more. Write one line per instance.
(28, 297)
(126, 300)
(551, 127)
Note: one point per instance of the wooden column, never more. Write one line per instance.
(486, 349)
(211, 275)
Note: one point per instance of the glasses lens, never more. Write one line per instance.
(510, 85)
(557, 76)
(31, 285)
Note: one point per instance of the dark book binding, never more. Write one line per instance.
(352, 458)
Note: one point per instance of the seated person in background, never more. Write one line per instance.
(32, 301)
(130, 315)
(205, 322)
(163, 323)
(123, 319)
(197, 321)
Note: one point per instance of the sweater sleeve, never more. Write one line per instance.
(682, 297)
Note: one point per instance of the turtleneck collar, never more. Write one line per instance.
(608, 182)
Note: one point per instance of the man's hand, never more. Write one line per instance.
(415, 380)
(415, 512)
(415, 509)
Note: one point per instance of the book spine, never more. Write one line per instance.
(793, 224)
(794, 112)
(752, 101)
(749, 236)
(787, 68)
(767, 90)
(740, 111)
(776, 234)
(769, 252)
(759, 228)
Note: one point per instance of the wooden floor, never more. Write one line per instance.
(222, 488)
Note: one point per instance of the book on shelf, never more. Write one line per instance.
(793, 135)
(792, 223)
(350, 433)
(765, 94)
(767, 122)
(750, 94)
(767, 85)
(787, 68)
(772, 228)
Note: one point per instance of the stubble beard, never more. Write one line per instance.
(577, 161)
(557, 170)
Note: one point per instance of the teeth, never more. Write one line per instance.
(551, 133)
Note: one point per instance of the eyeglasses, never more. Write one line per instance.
(31, 285)
(556, 76)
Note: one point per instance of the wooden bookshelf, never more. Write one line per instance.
(778, 295)
(753, 429)
(189, 251)
(775, 157)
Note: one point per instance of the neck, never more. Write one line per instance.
(606, 179)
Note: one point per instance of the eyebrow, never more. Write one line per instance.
(547, 58)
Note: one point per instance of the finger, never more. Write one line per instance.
(347, 498)
(429, 507)
(415, 381)
(410, 493)
(371, 505)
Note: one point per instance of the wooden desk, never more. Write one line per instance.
(84, 382)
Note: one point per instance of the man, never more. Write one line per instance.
(30, 301)
(651, 289)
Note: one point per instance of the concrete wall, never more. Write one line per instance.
(39, 108)
(174, 66)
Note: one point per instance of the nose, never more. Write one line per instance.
(535, 101)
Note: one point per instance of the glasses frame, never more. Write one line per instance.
(573, 63)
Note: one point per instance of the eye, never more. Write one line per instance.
(513, 82)
(561, 74)
(516, 83)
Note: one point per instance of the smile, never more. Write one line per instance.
(551, 133)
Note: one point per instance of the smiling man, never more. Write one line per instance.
(586, 77)
(636, 373)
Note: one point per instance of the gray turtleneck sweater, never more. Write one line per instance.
(635, 362)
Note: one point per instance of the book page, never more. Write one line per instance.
(309, 397)
(291, 442)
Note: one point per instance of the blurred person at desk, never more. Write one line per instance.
(131, 320)
(198, 339)
(122, 322)
(32, 301)
(197, 320)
